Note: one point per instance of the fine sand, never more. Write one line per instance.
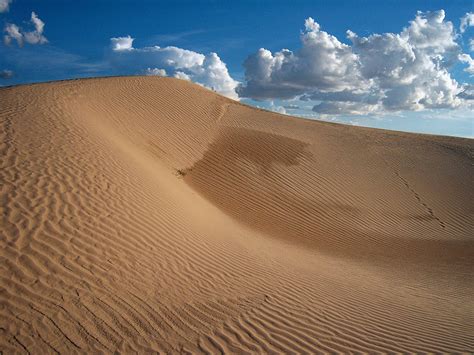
(146, 214)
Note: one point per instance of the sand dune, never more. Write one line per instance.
(152, 215)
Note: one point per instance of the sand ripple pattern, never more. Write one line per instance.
(150, 215)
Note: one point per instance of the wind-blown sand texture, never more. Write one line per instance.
(145, 214)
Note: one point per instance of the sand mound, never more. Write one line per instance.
(150, 214)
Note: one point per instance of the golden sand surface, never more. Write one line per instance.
(147, 214)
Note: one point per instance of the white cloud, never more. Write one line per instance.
(280, 109)
(214, 74)
(277, 108)
(6, 74)
(466, 21)
(122, 43)
(176, 57)
(471, 44)
(410, 69)
(182, 76)
(339, 107)
(208, 70)
(155, 72)
(15, 33)
(4, 5)
(466, 58)
(322, 63)
(468, 92)
(430, 33)
(382, 72)
(36, 36)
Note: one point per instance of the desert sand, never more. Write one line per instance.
(146, 214)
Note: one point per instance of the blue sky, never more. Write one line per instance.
(430, 89)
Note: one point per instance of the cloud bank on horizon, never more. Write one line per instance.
(379, 73)
(382, 72)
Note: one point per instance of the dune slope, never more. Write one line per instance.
(152, 215)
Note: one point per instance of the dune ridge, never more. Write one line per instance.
(146, 214)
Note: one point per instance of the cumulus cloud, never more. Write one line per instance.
(15, 33)
(122, 43)
(182, 76)
(466, 58)
(323, 62)
(466, 21)
(4, 5)
(411, 68)
(381, 72)
(277, 108)
(155, 72)
(208, 70)
(471, 44)
(6, 74)
(345, 107)
(468, 92)
(36, 36)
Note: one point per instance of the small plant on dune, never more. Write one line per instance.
(181, 172)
